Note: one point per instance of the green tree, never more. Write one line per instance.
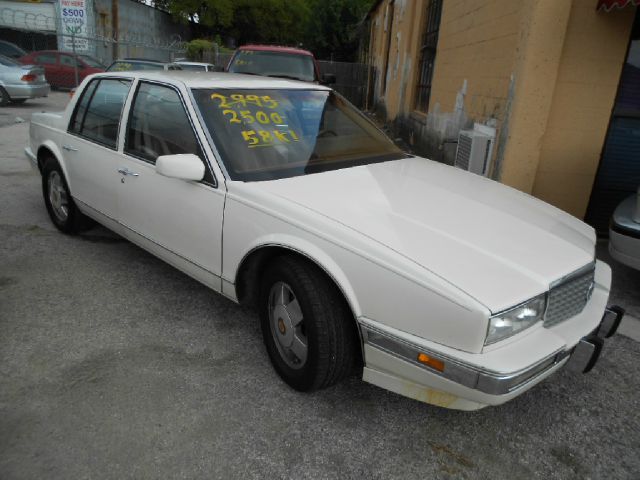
(269, 21)
(209, 13)
(332, 30)
(329, 28)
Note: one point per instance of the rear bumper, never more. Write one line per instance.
(465, 386)
(27, 91)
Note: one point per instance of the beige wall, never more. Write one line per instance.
(543, 72)
(403, 46)
(477, 44)
(592, 56)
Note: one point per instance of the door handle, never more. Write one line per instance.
(126, 171)
(69, 148)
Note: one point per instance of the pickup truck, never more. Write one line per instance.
(428, 281)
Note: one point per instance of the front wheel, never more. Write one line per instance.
(307, 326)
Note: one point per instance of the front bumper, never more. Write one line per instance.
(463, 385)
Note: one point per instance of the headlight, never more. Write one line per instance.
(516, 319)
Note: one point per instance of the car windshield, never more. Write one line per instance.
(276, 64)
(92, 62)
(125, 66)
(9, 62)
(11, 50)
(271, 134)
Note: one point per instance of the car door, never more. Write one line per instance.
(49, 61)
(90, 146)
(180, 221)
(67, 71)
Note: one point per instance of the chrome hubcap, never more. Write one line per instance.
(58, 196)
(287, 326)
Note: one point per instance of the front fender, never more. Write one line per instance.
(314, 253)
(372, 289)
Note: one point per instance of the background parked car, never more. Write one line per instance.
(11, 50)
(274, 61)
(199, 66)
(129, 64)
(624, 232)
(20, 82)
(60, 67)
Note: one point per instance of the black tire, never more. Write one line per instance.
(4, 97)
(18, 101)
(327, 323)
(74, 221)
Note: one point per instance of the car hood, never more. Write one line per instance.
(498, 245)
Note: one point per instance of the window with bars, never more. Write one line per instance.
(428, 54)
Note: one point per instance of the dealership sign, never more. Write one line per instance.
(73, 17)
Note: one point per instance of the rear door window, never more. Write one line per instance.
(46, 58)
(98, 113)
(69, 61)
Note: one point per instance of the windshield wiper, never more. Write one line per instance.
(288, 77)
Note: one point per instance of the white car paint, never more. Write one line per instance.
(624, 232)
(422, 252)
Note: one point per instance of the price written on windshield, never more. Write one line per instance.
(261, 114)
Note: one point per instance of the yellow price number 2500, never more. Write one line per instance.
(247, 117)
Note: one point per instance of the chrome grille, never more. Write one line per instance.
(569, 297)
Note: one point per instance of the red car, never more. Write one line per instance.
(274, 61)
(59, 67)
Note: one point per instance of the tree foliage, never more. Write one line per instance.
(326, 27)
(332, 29)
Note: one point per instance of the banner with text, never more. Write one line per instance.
(73, 16)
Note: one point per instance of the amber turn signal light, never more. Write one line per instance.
(431, 362)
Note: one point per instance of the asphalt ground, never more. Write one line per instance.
(115, 365)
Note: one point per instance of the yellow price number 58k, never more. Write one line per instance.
(267, 138)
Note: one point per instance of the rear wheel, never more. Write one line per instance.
(4, 97)
(62, 209)
(306, 325)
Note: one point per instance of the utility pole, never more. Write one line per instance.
(114, 28)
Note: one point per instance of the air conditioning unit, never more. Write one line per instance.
(475, 148)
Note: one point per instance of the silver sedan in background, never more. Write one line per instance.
(19, 83)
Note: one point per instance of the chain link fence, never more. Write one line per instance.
(353, 80)
(80, 54)
(94, 49)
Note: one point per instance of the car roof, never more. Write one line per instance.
(216, 80)
(185, 62)
(142, 60)
(276, 48)
(38, 52)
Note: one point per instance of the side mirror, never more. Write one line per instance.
(185, 166)
(328, 79)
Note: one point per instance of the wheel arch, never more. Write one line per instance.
(49, 149)
(248, 274)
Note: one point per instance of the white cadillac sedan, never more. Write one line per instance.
(437, 284)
